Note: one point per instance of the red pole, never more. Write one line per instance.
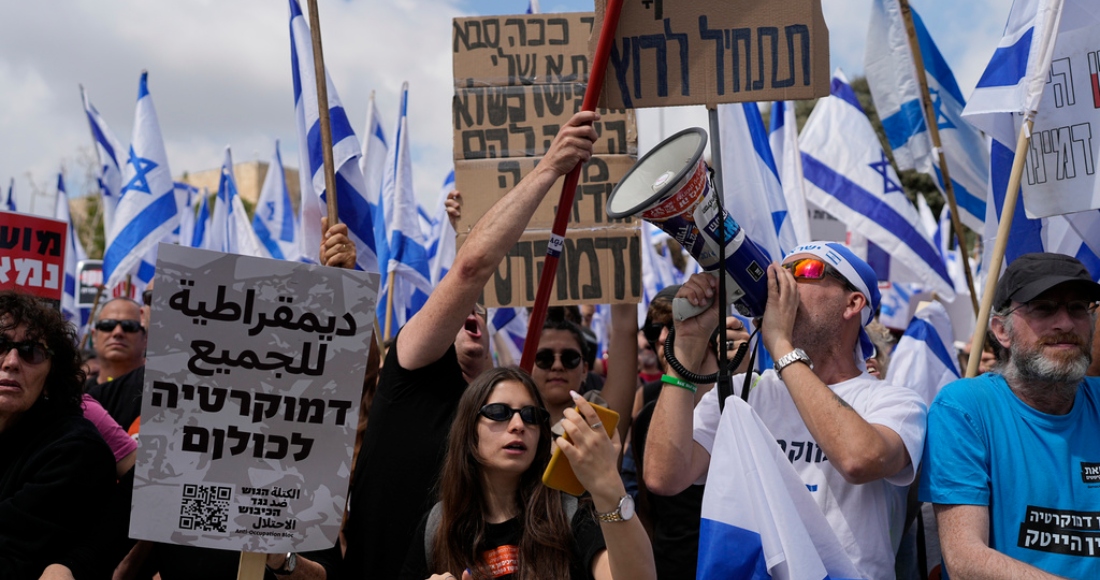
(569, 189)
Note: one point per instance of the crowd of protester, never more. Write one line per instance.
(452, 447)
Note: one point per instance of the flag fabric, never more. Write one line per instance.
(751, 190)
(372, 163)
(508, 327)
(783, 137)
(658, 271)
(74, 252)
(273, 219)
(108, 152)
(354, 209)
(848, 175)
(146, 210)
(230, 231)
(199, 238)
(533, 8)
(441, 240)
(187, 211)
(9, 199)
(405, 254)
(895, 88)
(924, 359)
(761, 521)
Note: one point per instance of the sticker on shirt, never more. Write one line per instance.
(502, 561)
(1056, 531)
(1090, 472)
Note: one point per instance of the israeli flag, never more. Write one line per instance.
(231, 232)
(532, 8)
(658, 271)
(273, 218)
(187, 203)
(74, 252)
(750, 180)
(1013, 81)
(199, 238)
(924, 359)
(108, 152)
(354, 209)
(761, 522)
(146, 211)
(895, 88)
(848, 174)
(9, 199)
(783, 137)
(406, 253)
(372, 162)
(508, 327)
(441, 241)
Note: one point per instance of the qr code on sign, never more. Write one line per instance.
(205, 508)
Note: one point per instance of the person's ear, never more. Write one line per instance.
(999, 331)
(854, 306)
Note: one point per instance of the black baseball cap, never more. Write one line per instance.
(651, 327)
(1032, 274)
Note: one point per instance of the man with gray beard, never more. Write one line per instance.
(1012, 460)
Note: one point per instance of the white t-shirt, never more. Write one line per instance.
(867, 518)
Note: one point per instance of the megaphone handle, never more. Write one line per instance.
(683, 310)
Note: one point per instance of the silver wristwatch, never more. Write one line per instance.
(796, 355)
(622, 513)
(288, 567)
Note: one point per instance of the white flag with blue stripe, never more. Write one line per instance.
(783, 136)
(147, 211)
(354, 209)
(372, 163)
(895, 88)
(199, 237)
(230, 231)
(406, 252)
(74, 252)
(441, 241)
(750, 180)
(9, 198)
(760, 520)
(924, 359)
(848, 174)
(187, 196)
(109, 153)
(273, 218)
(508, 327)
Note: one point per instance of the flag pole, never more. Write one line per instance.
(251, 566)
(934, 132)
(977, 342)
(569, 188)
(322, 110)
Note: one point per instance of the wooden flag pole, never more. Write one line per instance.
(91, 317)
(389, 304)
(569, 189)
(977, 342)
(934, 132)
(251, 566)
(322, 110)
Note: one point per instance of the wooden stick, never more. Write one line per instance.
(91, 317)
(977, 342)
(389, 305)
(251, 566)
(322, 111)
(934, 132)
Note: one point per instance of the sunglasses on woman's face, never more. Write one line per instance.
(814, 269)
(502, 413)
(570, 358)
(30, 351)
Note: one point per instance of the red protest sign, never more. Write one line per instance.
(32, 255)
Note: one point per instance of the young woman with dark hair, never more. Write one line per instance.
(496, 520)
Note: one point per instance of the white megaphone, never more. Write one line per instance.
(670, 187)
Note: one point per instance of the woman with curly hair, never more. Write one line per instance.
(496, 520)
(55, 469)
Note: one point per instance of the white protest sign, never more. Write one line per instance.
(1060, 173)
(253, 380)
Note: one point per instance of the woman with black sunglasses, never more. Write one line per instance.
(55, 470)
(496, 520)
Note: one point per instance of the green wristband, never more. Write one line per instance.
(678, 382)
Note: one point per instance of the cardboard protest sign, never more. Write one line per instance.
(1061, 174)
(32, 255)
(89, 276)
(597, 266)
(517, 80)
(252, 385)
(707, 52)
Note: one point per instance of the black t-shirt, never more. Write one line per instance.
(502, 541)
(399, 462)
(120, 397)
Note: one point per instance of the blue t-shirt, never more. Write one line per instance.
(1039, 474)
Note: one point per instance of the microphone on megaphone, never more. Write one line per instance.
(670, 187)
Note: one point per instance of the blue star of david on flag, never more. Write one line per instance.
(882, 167)
(942, 121)
(142, 167)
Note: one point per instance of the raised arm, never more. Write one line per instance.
(622, 364)
(862, 452)
(964, 538)
(674, 460)
(428, 335)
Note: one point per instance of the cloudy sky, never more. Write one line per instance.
(219, 73)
